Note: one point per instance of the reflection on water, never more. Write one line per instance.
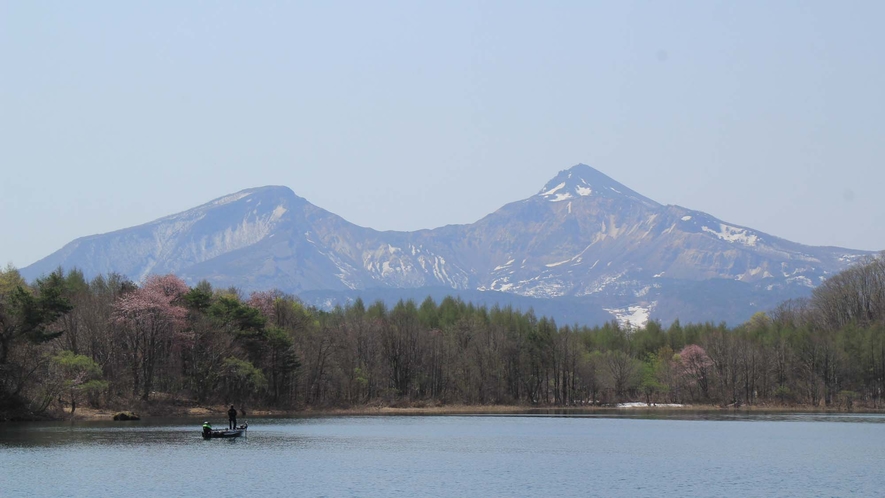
(636, 453)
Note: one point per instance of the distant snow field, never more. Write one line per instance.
(632, 316)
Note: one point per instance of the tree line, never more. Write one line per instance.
(109, 342)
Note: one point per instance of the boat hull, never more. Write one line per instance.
(224, 434)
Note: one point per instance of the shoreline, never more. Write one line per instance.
(91, 414)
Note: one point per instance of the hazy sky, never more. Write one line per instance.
(414, 115)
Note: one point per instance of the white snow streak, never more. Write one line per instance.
(230, 198)
(733, 234)
(553, 190)
(505, 265)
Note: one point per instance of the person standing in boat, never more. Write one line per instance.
(232, 417)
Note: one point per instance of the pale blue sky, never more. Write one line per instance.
(407, 115)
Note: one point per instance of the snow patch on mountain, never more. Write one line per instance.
(541, 286)
(393, 266)
(230, 198)
(346, 271)
(564, 196)
(552, 190)
(600, 284)
(499, 284)
(643, 291)
(802, 280)
(574, 259)
(733, 234)
(505, 265)
(633, 317)
(555, 194)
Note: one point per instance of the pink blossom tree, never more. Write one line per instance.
(265, 302)
(151, 322)
(280, 309)
(695, 366)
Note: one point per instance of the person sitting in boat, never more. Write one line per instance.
(232, 418)
(207, 428)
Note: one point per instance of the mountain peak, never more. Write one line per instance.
(270, 194)
(585, 181)
(266, 191)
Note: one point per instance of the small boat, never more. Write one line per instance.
(225, 433)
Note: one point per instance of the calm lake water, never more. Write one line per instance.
(526, 455)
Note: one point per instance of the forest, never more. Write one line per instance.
(66, 342)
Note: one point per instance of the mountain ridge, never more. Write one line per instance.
(582, 236)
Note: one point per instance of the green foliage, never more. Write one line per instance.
(650, 376)
(77, 374)
(783, 393)
(360, 377)
(10, 279)
(238, 317)
(242, 379)
(94, 386)
(428, 314)
(200, 297)
(28, 318)
(34, 314)
(74, 282)
(76, 364)
(283, 363)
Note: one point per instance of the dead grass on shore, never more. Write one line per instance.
(158, 410)
(154, 410)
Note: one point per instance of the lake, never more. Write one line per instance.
(630, 454)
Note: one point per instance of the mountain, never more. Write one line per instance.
(584, 242)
